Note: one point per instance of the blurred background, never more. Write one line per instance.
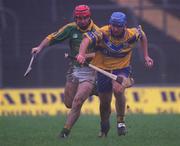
(23, 24)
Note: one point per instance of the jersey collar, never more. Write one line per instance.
(88, 29)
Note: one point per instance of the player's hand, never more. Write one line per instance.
(81, 58)
(35, 50)
(149, 62)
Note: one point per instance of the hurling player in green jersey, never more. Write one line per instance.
(80, 79)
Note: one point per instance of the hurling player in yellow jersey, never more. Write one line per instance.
(115, 44)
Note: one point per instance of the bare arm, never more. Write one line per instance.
(144, 46)
(83, 46)
(82, 50)
(42, 45)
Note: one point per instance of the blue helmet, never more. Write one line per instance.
(118, 18)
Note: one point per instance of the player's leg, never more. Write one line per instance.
(69, 93)
(86, 78)
(104, 86)
(82, 94)
(120, 100)
(120, 103)
(105, 111)
(70, 88)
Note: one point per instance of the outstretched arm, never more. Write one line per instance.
(42, 45)
(54, 38)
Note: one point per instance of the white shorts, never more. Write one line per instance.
(84, 74)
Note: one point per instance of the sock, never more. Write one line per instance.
(67, 127)
(120, 119)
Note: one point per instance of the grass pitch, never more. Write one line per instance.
(143, 130)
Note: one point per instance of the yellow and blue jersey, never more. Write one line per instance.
(113, 53)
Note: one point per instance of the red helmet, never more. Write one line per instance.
(82, 10)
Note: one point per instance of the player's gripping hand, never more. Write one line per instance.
(36, 50)
(149, 62)
(80, 58)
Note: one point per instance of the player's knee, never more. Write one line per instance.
(68, 105)
(119, 90)
(68, 102)
(77, 104)
(119, 95)
(128, 82)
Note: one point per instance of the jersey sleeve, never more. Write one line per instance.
(139, 32)
(59, 36)
(94, 36)
(136, 35)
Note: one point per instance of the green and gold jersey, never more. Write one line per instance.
(74, 34)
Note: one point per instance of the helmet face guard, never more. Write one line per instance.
(118, 19)
(82, 11)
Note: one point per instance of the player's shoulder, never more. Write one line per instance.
(135, 29)
(132, 30)
(95, 27)
(105, 28)
(70, 25)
